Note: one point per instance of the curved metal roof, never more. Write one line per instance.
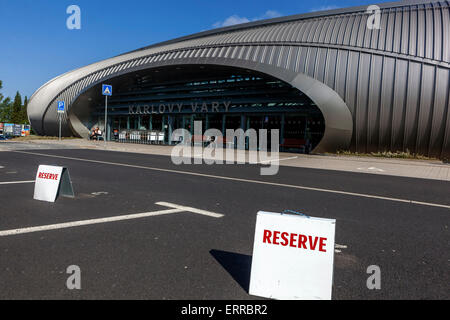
(392, 82)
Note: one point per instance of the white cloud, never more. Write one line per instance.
(230, 21)
(324, 8)
(235, 19)
(270, 14)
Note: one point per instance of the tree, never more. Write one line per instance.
(5, 107)
(1, 86)
(13, 112)
(5, 110)
(24, 114)
(16, 112)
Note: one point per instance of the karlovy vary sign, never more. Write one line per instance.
(178, 107)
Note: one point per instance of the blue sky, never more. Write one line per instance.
(35, 44)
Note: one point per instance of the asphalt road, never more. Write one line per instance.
(193, 256)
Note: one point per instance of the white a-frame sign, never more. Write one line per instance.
(52, 181)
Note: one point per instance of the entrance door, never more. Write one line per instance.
(295, 133)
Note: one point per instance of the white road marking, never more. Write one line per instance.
(276, 160)
(177, 209)
(16, 182)
(99, 193)
(258, 162)
(353, 194)
(372, 169)
(190, 209)
(337, 247)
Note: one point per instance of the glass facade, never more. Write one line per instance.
(169, 98)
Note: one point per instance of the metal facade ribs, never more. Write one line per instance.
(394, 81)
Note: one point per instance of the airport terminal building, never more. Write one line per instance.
(324, 78)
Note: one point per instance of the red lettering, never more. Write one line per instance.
(49, 176)
(284, 236)
(301, 241)
(275, 237)
(267, 235)
(312, 244)
(292, 240)
(322, 244)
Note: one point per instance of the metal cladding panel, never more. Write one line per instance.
(320, 65)
(421, 25)
(412, 106)
(445, 45)
(382, 33)
(394, 81)
(413, 20)
(389, 36)
(324, 30)
(355, 36)
(398, 106)
(313, 31)
(437, 34)
(329, 69)
(429, 30)
(292, 61)
(283, 57)
(342, 28)
(373, 104)
(396, 45)
(334, 34)
(341, 75)
(368, 33)
(361, 102)
(357, 33)
(439, 112)
(329, 30)
(387, 89)
(311, 61)
(426, 108)
(303, 34)
(446, 143)
(348, 30)
(404, 41)
(352, 80)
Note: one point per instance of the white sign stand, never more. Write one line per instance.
(292, 257)
(52, 181)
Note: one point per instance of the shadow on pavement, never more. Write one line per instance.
(236, 264)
